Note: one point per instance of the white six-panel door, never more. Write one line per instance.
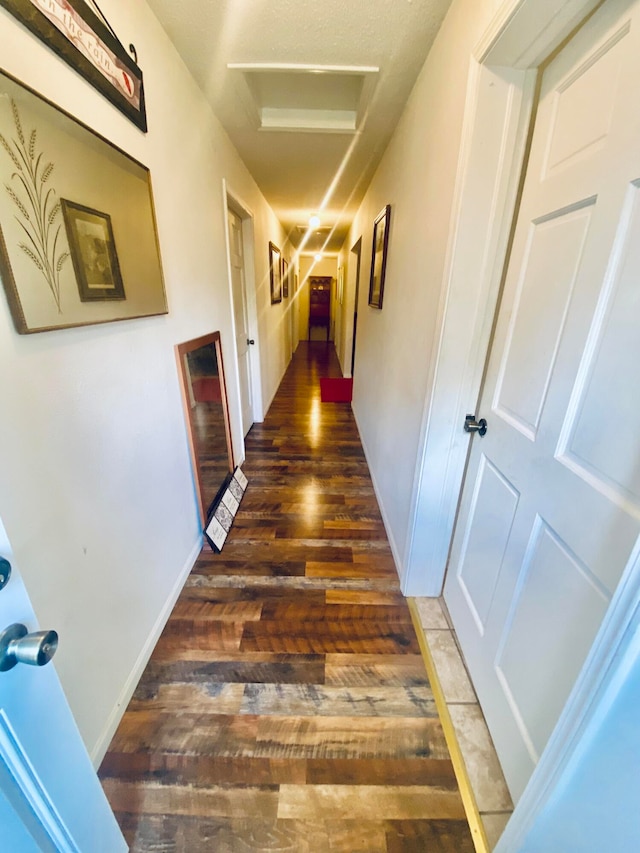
(240, 316)
(551, 505)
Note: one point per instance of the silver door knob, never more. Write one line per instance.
(17, 645)
(472, 425)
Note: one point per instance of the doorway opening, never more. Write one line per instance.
(240, 254)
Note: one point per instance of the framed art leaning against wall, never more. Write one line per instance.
(78, 240)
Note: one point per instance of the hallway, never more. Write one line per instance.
(286, 706)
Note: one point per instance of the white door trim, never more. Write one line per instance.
(232, 201)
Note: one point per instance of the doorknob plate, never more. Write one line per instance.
(13, 632)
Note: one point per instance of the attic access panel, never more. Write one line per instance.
(304, 98)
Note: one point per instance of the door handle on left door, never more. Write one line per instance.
(17, 645)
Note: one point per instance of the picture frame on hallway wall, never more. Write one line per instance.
(68, 198)
(379, 249)
(93, 252)
(285, 279)
(275, 273)
(73, 31)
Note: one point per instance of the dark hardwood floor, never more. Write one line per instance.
(286, 706)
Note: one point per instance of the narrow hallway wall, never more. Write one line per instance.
(395, 345)
(96, 489)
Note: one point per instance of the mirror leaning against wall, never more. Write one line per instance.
(204, 397)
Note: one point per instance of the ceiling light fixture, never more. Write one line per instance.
(314, 221)
(317, 257)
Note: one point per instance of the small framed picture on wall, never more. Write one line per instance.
(379, 256)
(275, 273)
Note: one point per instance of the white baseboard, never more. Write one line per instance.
(395, 553)
(99, 750)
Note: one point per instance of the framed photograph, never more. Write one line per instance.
(379, 256)
(275, 273)
(78, 238)
(285, 278)
(73, 31)
(93, 252)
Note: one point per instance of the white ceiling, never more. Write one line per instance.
(313, 93)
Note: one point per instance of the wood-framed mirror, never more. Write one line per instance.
(204, 398)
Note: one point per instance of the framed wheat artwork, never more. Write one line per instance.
(78, 239)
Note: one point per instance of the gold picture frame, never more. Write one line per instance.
(50, 162)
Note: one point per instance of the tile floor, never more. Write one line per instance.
(481, 762)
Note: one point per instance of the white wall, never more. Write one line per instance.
(96, 490)
(417, 177)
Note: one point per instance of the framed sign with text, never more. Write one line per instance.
(77, 34)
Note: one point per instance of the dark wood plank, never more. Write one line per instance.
(351, 636)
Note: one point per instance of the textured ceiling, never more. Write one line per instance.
(372, 51)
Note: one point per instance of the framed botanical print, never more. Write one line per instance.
(379, 256)
(78, 239)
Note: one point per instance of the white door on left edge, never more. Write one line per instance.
(551, 506)
(50, 796)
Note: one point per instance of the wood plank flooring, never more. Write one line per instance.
(286, 706)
